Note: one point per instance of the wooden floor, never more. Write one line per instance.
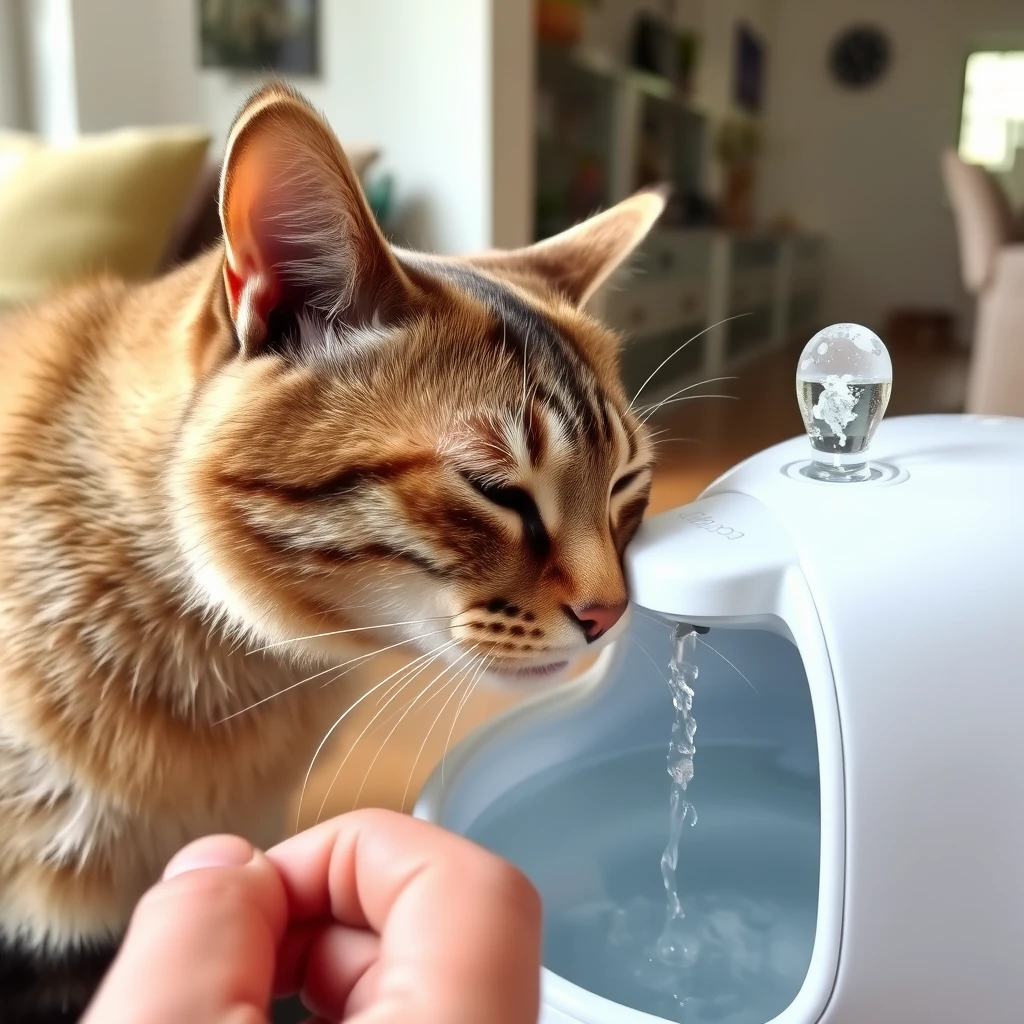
(701, 439)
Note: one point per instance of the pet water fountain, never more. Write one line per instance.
(850, 620)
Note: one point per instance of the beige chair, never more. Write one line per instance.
(992, 266)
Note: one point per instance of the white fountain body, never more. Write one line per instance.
(903, 599)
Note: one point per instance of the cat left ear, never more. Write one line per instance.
(578, 261)
(297, 228)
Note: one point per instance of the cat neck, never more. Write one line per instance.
(98, 384)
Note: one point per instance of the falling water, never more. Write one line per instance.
(672, 946)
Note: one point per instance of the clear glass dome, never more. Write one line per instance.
(843, 382)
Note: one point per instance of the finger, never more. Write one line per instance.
(322, 962)
(460, 929)
(201, 944)
(339, 959)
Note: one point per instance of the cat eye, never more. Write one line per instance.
(517, 500)
(624, 481)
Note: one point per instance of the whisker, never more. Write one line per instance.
(407, 680)
(647, 654)
(728, 662)
(333, 668)
(640, 610)
(654, 618)
(405, 712)
(455, 683)
(347, 712)
(680, 349)
(340, 632)
(681, 391)
(382, 650)
(419, 754)
(685, 398)
(458, 711)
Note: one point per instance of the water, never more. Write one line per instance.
(841, 415)
(590, 835)
(675, 945)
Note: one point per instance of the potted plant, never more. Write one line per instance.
(561, 22)
(737, 146)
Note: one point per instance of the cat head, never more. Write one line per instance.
(404, 449)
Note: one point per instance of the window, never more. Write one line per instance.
(992, 120)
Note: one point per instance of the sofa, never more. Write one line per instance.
(134, 202)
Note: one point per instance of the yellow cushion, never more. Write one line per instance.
(105, 203)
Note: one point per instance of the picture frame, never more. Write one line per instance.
(749, 70)
(280, 36)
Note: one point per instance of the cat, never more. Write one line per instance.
(212, 484)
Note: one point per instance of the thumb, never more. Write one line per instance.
(202, 943)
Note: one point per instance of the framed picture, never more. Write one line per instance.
(260, 35)
(748, 89)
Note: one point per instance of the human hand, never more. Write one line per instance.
(373, 917)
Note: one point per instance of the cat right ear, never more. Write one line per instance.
(298, 231)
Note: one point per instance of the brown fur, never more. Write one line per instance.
(285, 439)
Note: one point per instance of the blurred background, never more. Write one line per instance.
(831, 161)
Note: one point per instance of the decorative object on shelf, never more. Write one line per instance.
(688, 44)
(659, 49)
(260, 35)
(737, 146)
(860, 56)
(561, 22)
(749, 61)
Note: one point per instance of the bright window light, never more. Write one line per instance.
(992, 120)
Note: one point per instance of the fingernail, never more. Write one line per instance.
(211, 852)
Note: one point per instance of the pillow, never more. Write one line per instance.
(14, 147)
(107, 202)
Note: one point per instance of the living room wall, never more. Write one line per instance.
(426, 83)
(443, 88)
(864, 167)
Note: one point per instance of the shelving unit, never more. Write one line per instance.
(759, 291)
(603, 131)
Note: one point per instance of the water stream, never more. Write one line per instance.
(673, 946)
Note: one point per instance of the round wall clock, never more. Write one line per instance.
(860, 56)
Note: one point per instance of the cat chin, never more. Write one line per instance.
(537, 676)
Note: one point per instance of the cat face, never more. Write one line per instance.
(401, 449)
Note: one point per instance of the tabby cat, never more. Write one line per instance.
(209, 484)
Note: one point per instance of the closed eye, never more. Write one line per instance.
(518, 500)
(625, 481)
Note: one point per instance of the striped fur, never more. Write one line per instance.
(302, 434)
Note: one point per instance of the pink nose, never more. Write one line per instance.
(595, 620)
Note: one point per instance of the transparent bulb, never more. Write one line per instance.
(843, 381)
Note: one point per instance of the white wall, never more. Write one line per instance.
(511, 110)
(715, 78)
(431, 83)
(864, 167)
(416, 79)
(13, 113)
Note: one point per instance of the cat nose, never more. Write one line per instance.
(596, 619)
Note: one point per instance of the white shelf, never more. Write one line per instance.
(712, 278)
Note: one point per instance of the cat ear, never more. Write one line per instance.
(578, 261)
(297, 228)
